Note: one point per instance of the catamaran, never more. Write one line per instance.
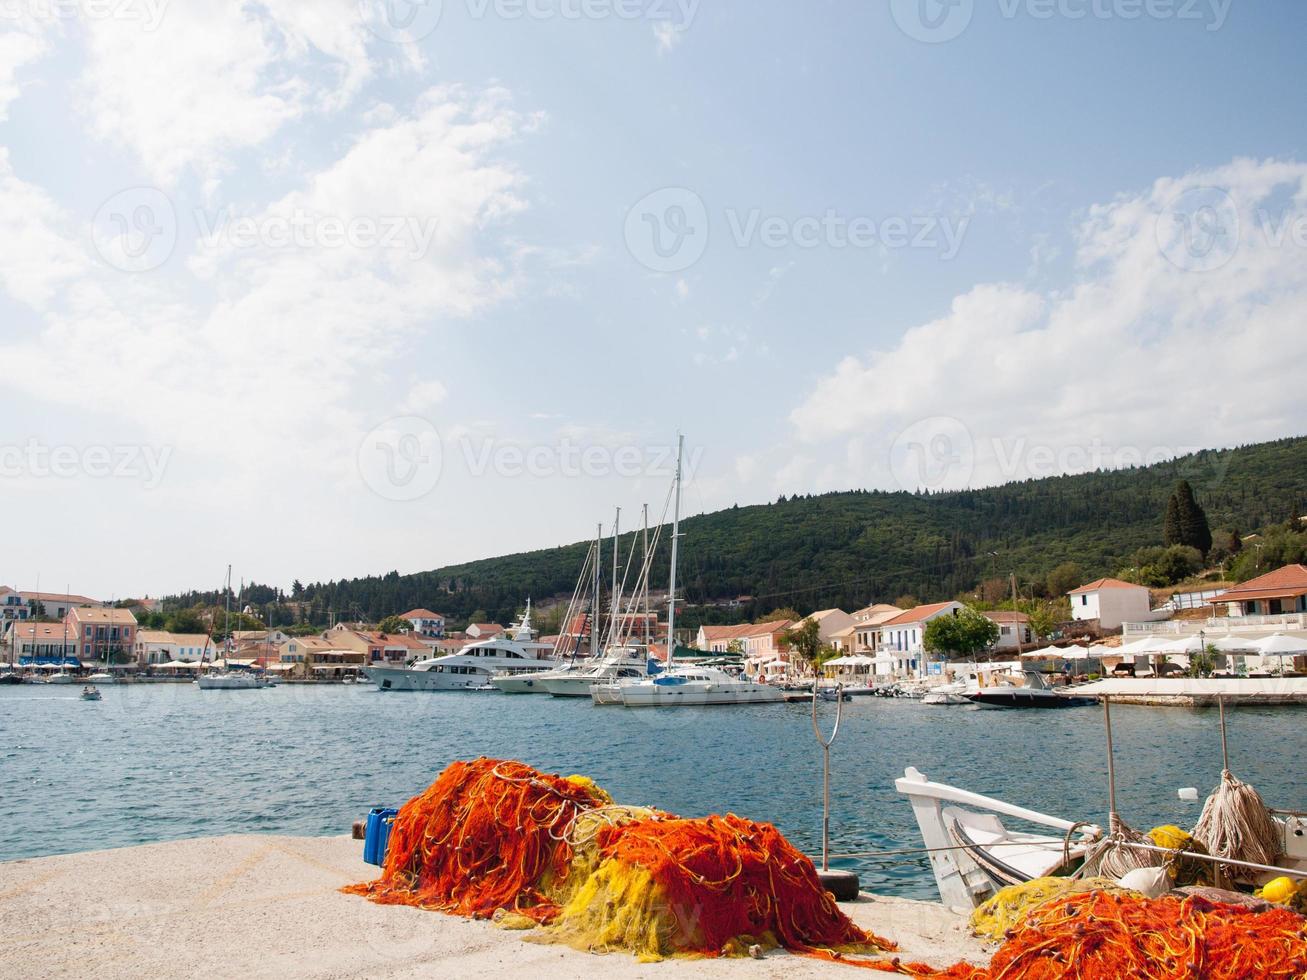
(473, 667)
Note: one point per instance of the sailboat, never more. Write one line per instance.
(691, 684)
(226, 679)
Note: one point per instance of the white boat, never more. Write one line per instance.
(230, 681)
(629, 665)
(945, 697)
(60, 677)
(474, 667)
(691, 685)
(531, 682)
(102, 678)
(91, 694)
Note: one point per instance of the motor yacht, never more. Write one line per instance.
(694, 685)
(474, 667)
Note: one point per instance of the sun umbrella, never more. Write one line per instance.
(1281, 645)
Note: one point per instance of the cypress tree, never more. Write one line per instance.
(1171, 522)
(1194, 530)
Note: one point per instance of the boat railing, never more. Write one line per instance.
(914, 784)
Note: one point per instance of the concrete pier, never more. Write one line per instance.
(270, 907)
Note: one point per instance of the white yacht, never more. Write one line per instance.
(690, 685)
(631, 664)
(230, 681)
(532, 681)
(473, 667)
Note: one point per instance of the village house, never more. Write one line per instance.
(389, 648)
(863, 635)
(902, 637)
(1273, 594)
(1013, 629)
(318, 656)
(155, 647)
(426, 623)
(106, 636)
(36, 605)
(1111, 602)
(483, 631)
(28, 643)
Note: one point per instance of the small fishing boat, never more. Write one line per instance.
(951, 695)
(833, 694)
(90, 693)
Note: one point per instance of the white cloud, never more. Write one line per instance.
(213, 78)
(244, 353)
(1141, 355)
(19, 46)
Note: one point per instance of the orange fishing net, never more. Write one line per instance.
(484, 836)
(705, 887)
(1100, 936)
(491, 835)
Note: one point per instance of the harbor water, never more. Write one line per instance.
(157, 762)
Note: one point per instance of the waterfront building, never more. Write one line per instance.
(1112, 602)
(1283, 591)
(106, 636)
(902, 636)
(1013, 629)
(15, 604)
(155, 647)
(426, 623)
(28, 642)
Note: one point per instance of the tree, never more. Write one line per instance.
(907, 602)
(779, 615)
(735, 647)
(804, 640)
(394, 624)
(1064, 578)
(187, 621)
(1185, 522)
(1043, 620)
(1171, 533)
(966, 634)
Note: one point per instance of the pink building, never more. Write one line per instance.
(103, 635)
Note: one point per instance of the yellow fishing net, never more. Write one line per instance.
(1008, 909)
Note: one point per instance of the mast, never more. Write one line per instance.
(612, 626)
(676, 535)
(226, 623)
(594, 599)
(63, 652)
(646, 579)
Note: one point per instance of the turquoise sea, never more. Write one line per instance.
(156, 762)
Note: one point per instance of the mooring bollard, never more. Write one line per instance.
(842, 884)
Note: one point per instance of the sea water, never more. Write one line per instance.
(157, 762)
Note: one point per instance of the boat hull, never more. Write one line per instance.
(236, 682)
(673, 696)
(1020, 698)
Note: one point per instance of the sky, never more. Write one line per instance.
(326, 288)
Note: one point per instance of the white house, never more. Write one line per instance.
(1013, 629)
(901, 637)
(830, 623)
(1111, 602)
(160, 647)
(1273, 594)
(426, 623)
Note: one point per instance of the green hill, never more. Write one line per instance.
(851, 548)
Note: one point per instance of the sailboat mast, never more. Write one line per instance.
(676, 536)
(612, 625)
(646, 578)
(594, 599)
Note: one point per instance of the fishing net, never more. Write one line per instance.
(1235, 824)
(486, 835)
(1102, 936)
(705, 887)
(1008, 908)
(501, 840)
(1183, 868)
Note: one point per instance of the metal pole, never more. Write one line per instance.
(825, 770)
(1111, 764)
(1225, 749)
(671, 578)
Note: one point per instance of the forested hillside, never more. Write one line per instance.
(848, 549)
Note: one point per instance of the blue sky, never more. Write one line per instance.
(286, 289)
